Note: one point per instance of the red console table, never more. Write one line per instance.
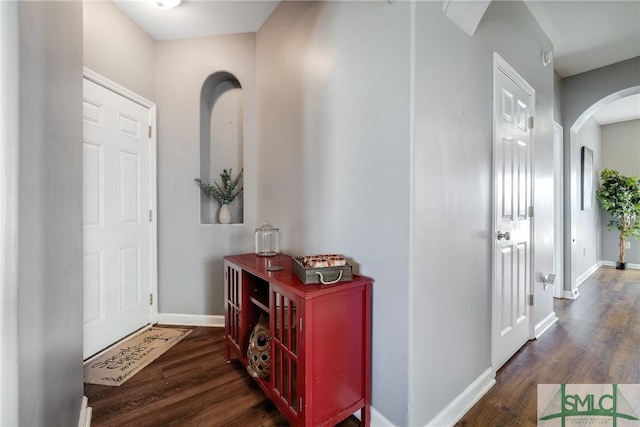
(320, 338)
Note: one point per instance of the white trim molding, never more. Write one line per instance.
(465, 400)
(85, 413)
(191, 319)
(545, 324)
(115, 87)
(572, 294)
(584, 276)
(9, 211)
(558, 197)
(377, 419)
(613, 264)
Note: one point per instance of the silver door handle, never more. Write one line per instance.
(505, 236)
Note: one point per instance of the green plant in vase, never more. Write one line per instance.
(225, 192)
(620, 196)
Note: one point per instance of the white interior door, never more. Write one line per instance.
(512, 153)
(117, 227)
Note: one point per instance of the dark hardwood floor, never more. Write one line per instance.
(595, 341)
(189, 385)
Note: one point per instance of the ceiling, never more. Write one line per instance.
(589, 34)
(585, 34)
(198, 18)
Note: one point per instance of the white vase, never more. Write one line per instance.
(224, 217)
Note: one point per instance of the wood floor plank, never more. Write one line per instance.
(596, 340)
(189, 385)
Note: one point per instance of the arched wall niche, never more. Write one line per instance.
(221, 139)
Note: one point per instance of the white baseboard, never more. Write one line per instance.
(545, 324)
(461, 404)
(584, 276)
(613, 264)
(573, 294)
(85, 413)
(191, 319)
(379, 420)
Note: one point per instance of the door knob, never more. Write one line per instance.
(505, 236)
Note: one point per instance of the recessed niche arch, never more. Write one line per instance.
(221, 139)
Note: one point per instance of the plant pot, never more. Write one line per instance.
(224, 217)
(621, 265)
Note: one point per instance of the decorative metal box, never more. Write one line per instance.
(324, 275)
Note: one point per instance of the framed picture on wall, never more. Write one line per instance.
(587, 178)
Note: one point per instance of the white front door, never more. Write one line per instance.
(117, 229)
(512, 152)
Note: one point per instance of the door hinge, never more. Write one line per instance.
(531, 122)
(530, 211)
(149, 131)
(531, 300)
(150, 216)
(150, 299)
(301, 324)
(300, 404)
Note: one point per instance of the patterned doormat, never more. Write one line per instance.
(127, 358)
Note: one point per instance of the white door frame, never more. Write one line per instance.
(558, 172)
(153, 203)
(500, 64)
(9, 212)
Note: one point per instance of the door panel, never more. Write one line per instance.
(117, 233)
(512, 198)
(284, 322)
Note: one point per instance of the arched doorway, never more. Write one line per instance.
(579, 223)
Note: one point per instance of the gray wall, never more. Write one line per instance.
(587, 222)
(451, 343)
(620, 151)
(116, 48)
(581, 91)
(579, 94)
(190, 273)
(334, 102)
(340, 169)
(50, 222)
(347, 106)
(557, 97)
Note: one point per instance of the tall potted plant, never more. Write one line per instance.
(620, 196)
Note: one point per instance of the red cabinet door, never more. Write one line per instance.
(233, 308)
(287, 379)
